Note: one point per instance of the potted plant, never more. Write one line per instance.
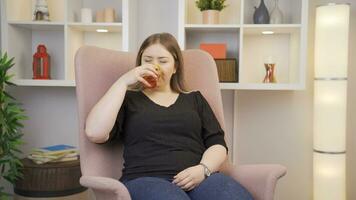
(10, 135)
(210, 10)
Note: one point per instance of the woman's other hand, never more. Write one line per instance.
(136, 74)
(189, 178)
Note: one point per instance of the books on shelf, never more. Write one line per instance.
(216, 50)
(55, 153)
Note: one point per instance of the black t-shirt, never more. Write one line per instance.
(162, 141)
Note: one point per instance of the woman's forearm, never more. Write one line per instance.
(214, 156)
(102, 116)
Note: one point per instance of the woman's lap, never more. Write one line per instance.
(154, 188)
(217, 186)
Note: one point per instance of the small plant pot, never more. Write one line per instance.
(210, 17)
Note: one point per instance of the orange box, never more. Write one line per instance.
(217, 50)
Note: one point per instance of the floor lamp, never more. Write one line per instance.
(330, 92)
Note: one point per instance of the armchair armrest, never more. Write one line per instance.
(106, 188)
(260, 179)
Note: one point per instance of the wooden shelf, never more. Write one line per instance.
(208, 27)
(272, 25)
(261, 86)
(254, 29)
(31, 82)
(92, 27)
(38, 25)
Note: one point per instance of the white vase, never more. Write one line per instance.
(86, 15)
(276, 16)
(210, 16)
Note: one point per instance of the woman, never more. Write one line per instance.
(173, 143)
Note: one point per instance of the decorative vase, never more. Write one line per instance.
(270, 78)
(41, 11)
(276, 16)
(210, 16)
(261, 15)
(86, 15)
(99, 16)
(269, 66)
(109, 14)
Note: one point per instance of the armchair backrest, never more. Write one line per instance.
(96, 69)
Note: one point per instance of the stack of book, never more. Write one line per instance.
(55, 153)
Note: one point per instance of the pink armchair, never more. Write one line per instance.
(96, 69)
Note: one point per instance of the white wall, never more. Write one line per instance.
(156, 16)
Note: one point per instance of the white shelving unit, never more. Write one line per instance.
(62, 35)
(246, 43)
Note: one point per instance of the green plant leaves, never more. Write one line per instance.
(11, 115)
(210, 4)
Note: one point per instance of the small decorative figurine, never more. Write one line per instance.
(269, 66)
(41, 11)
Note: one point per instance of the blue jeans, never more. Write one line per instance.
(218, 186)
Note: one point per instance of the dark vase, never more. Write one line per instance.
(261, 15)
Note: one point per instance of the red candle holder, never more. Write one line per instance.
(41, 63)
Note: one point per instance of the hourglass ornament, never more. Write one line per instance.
(269, 66)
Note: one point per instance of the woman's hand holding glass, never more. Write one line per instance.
(146, 74)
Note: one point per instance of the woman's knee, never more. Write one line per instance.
(220, 186)
(154, 188)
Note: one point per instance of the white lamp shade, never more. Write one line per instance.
(330, 115)
(330, 99)
(329, 176)
(331, 40)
